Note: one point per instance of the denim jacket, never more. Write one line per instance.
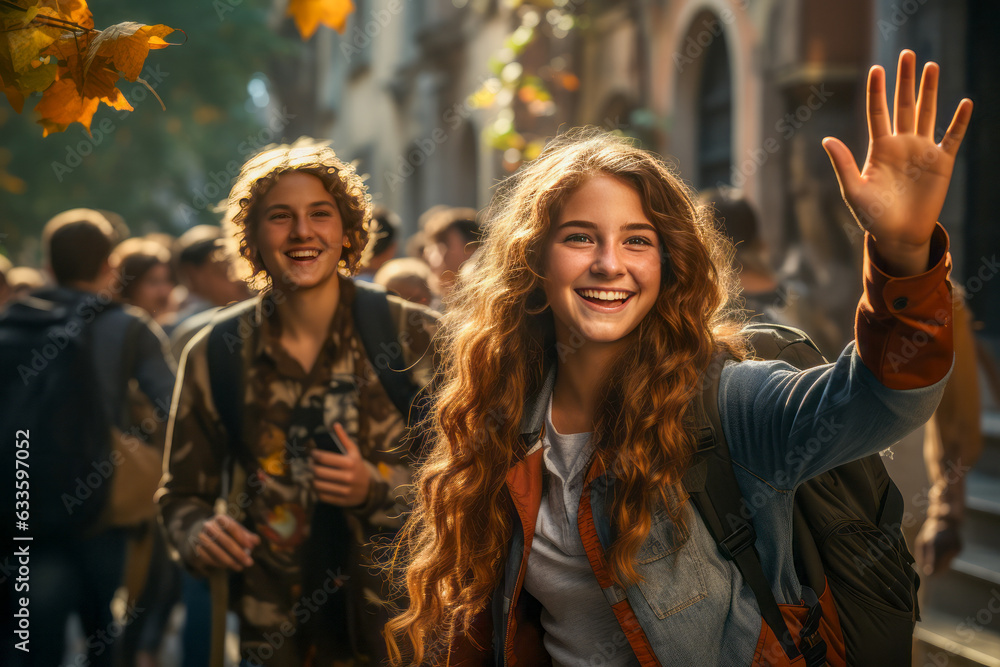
(784, 426)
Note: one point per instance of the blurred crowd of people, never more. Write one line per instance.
(174, 279)
(169, 289)
(174, 287)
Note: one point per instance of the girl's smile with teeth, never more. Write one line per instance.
(604, 295)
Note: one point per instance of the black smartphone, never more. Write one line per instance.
(329, 442)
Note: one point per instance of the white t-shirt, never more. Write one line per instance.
(580, 627)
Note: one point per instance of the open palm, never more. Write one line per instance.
(898, 194)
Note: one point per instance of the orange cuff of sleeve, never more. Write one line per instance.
(904, 325)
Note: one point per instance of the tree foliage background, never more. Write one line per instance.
(161, 170)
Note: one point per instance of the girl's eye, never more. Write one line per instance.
(639, 240)
(577, 238)
(321, 212)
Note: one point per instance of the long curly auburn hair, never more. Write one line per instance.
(259, 174)
(496, 338)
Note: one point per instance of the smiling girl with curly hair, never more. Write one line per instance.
(551, 525)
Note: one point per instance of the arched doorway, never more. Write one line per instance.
(715, 114)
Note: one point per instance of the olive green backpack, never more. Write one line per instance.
(846, 529)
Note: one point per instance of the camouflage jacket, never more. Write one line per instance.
(278, 596)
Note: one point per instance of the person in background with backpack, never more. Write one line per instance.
(294, 392)
(767, 296)
(93, 347)
(550, 522)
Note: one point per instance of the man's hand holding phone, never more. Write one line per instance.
(340, 477)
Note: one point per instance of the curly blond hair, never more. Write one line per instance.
(259, 174)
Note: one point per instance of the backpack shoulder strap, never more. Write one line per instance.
(378, 334)
(785, 343)
(225, 367)
(130, 348)
(711, 483)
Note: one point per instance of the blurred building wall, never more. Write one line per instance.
(737, 92)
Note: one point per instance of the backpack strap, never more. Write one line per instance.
(376, 329)
(226, 381)
(711, 483)
(225, 367)
(779, 341)
(130, 348)
(378, 333)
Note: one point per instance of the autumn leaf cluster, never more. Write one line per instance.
(51, 47)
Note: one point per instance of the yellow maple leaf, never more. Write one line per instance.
(126, 45)
(62, 104)
(51, 46)
(26, 44)
(73, 11)
(14, 96)
(38, 77)
(100, 83)
(76, 95)
(308, 14)
(12, 18)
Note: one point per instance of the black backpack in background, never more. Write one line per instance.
(56, 435)
(846, 528)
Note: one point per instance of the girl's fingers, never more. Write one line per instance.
(843, 165)
(904, 104)
(878, 110)
(956, 131)
(927, 101)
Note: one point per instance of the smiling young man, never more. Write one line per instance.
(319, 433)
